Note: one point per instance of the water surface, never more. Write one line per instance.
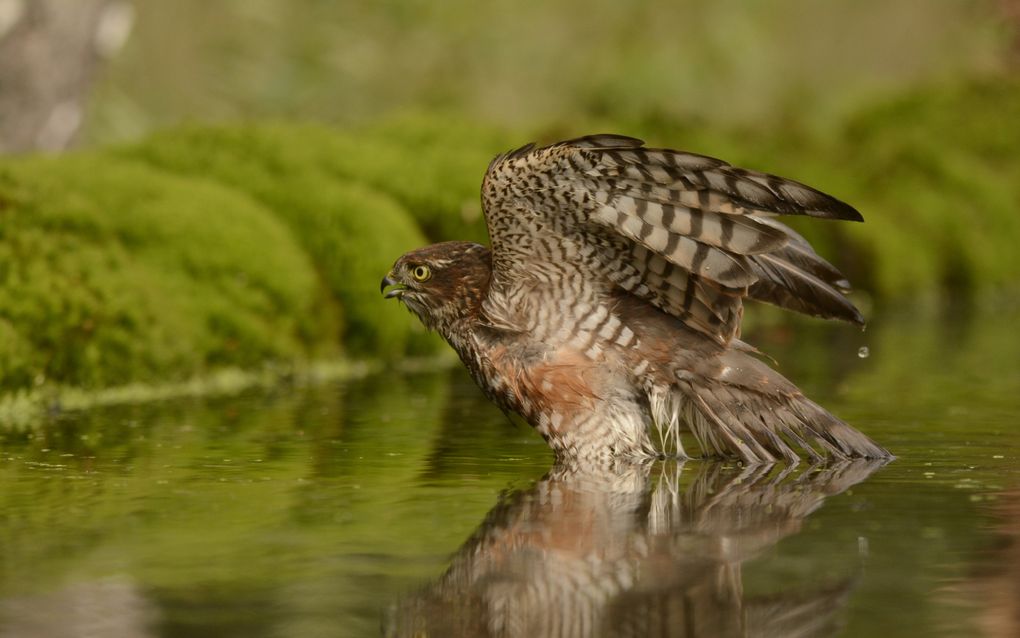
(405, 504)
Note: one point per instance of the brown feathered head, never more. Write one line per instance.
(442, 283)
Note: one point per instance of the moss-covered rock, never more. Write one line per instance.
(113, 272)
(351, 231)
(203, 248)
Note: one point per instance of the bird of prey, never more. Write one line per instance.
(607, 311)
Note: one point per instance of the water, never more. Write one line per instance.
(407, 505)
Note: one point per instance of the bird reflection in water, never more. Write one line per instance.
(642, 550)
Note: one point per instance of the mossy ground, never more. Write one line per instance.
(202, 249)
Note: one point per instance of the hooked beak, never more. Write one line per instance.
(389, 281)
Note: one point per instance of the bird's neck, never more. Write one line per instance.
(460, 334)
(466, 316)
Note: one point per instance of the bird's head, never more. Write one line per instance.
(443, 283)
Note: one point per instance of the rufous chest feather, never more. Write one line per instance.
(560, 380)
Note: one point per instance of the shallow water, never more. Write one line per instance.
(405, 504)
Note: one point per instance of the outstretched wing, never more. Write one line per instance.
(686, 232)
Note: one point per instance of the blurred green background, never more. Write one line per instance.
(223, 184)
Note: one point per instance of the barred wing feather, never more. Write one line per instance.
(688, 233)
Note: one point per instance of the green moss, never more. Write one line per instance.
(208, 248)
(115, 272)
(434, 165)
(333, 192)
(940, 170)
(15, 356)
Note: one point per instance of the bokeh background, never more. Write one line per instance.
(191, 187)
(198, 197)
(535, 66)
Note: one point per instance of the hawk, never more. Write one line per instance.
(607, 311)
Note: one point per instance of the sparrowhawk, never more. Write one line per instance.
(607, 312)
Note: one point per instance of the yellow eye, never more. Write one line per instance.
(421, 273)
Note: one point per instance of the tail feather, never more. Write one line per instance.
(733, 434)
(849, 441)
(748, 410)
(739, 409)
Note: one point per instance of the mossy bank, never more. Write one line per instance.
(261, 245)
(204, 249)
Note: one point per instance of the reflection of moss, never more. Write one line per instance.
(304, 497)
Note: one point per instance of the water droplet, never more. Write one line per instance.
(863, 352)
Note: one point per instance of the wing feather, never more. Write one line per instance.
(687, 232)
(796, 278)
